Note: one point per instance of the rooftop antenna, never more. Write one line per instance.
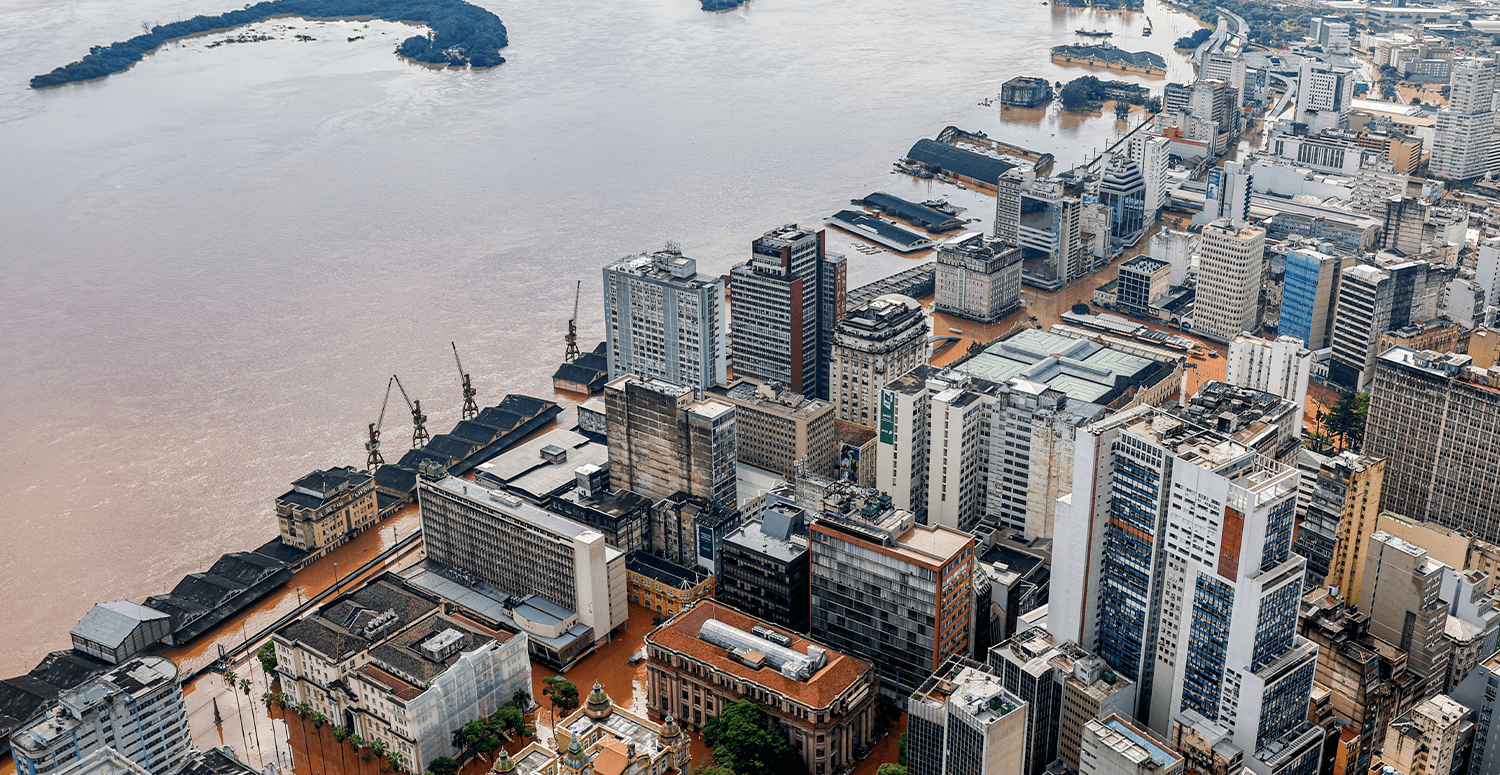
(372, 446)
(419, 434)
(470, 408)
(571, 354)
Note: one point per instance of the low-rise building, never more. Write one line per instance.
(963, 720)
(711, 655)
(602, 738)
(666, 587)
(117, 631)
(325, 509)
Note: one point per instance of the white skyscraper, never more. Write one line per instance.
(1465, 136)
(1150, 151)
(1281, 367)
(1323, 95)
(663, 320)
(1229, 279)
(1173, 561)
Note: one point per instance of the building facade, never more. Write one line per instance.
(778, 430)
(1282, 367)
(325, 509)
(1341, 514)
(977, 278)
(663, 320)
(666, 587)
(663, 441)
(764, 571)
(1374, 299)
(1308, 295)
(1229, 279)
(1143, 282)
(963, 720)
(1115, 745)
(872, 345)
(1463, 142)
(786, 301)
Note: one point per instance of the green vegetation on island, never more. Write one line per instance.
(461, 33)
(1195, 39)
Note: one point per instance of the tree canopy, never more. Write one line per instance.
(742, 741)
(460, 33)
(1195, 39)
(562, 693)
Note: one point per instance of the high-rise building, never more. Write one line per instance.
(1115, 745)
(1229, 281)
(1309, 293)
(663, 320)
(1227, 195)
(1282, 367)
(1480, 693)
(1465, 136)
(779, 430)
(690, 529)
(1177, 248)
(964, 721)
(1122, 188)
(977, 278)
(1064, 688)
(764, 570)
(874, 343)
(1430, 739)
(1229, 68)
(1330, 33)
(904, 601)
(1487, 270)
(521, 549)
(1368, 681)
(325, 509)
(136, 708)
(1340, 517)
(1045, 220)
(663, 441)
(1152, 153)
(1173, 561)
(1323, 95)
(1432, 417)
(1143, 281)
(786, 301)
(1402, 593)
(1373, 299)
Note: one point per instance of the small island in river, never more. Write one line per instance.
(462, 34)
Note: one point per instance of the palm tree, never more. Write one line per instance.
(398, 762)
(341, 734)
(254, 727)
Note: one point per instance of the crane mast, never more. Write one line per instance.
(470, 409)
(419, 434)
(374, 460)
(571, 354)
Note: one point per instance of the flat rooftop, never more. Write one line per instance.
(1082, 369)
(966, 684)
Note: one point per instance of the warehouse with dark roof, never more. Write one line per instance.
(973, 168)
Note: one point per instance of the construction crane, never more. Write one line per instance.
(372, 446)
(419, 434)
(470, 408)
(572, 338)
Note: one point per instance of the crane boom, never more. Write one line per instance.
(470, 409)
(571, 353)
(374, 460)
(419, 434)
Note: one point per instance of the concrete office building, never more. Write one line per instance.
(1153, 154)
(522, 549)
(711, 655)
(1143, 282)
(1341, 514)
(1122, 189)
(1463, 142)
(1229, 280)
(1402, 593)
(764, 571)
(325, 509)
(1064, 688)
(1114, 745)
(136, 708)
(873, 344)
(1323, 95)
(787, 300)
(1045, 221)
(1373, 299)
(1282, 367)
(1173, 562)
(663, 320)
(904, 601)
(977, 278)
(963, 720)
(778, 430)
(1178, 248)
(663, 441)
(690, 529)
(1309, 294)
(1433, 417)
(1430, 739)
(1480, 693)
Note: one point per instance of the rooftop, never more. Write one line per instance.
(1082, 369)
(511, 506)
(970, 686)
(664, 571)
(1134, 742)
(837, 676)
(751, 537)
(109, 624)
(975, 166)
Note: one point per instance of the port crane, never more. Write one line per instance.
(372, 446)
(471, 409)
(572, 338)
(419, 434)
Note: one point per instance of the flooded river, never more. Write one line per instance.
(210, 263)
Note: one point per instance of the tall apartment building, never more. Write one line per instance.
(1282, 367)
(398, 664)
(1229, 279)
(1045, 221)
(325, 509)
(904, 601)
(873, 344)
(1115, 745)
(1178, 248)
(135, 708)
(778, 430)
(1463, 142)
(711, 655)
(786, 301)
(1373, 299)
(1309, 294)
(662, 440)
(522, 549)
(1323, 95)
(1345, 503)
(1229, 68)
(963, 720)
(1430, 739)
(1173, 562)
(1064, 688)
(1154, 155)
(1402, 593)
(977, 278)
(1433, 418)
(663, 320)
(1480, 693)
(1367, 678)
